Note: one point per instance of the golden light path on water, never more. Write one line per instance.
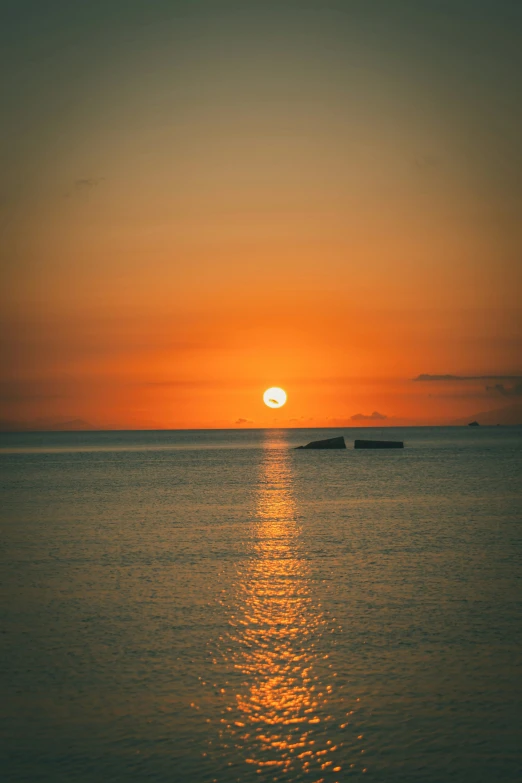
(279, 720)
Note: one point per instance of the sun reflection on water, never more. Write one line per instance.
(279, 719)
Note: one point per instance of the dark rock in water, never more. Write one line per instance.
(378, 444)
(329, 443)
(473, 424)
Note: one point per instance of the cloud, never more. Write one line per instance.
(454, 378)
(506, 391)
(83, 186)
(375, 416)
(243, 421)
(88, 183)
(44, 424)
(426, 162)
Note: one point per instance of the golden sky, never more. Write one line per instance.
(203, 199)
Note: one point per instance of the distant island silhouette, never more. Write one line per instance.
(510, 415)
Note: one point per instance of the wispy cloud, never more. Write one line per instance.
(83, 186)
(88, 183)
(453, 378)
(426, 163)
(44, 424)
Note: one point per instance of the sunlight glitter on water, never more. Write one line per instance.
(280, 719)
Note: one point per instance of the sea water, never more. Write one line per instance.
(216, 606)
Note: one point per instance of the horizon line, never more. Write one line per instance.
(243, 429)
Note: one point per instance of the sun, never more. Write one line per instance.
(274, 397)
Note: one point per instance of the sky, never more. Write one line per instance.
(202, 199)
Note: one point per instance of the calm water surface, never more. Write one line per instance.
(214, 606)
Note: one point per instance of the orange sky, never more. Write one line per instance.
(218, 204)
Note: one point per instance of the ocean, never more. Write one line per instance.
(216, 606)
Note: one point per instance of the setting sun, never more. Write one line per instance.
(274, 397)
